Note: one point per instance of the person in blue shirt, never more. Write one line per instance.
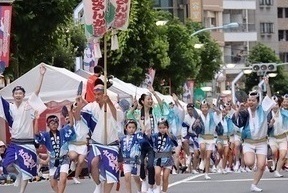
(163, 144)
(56, 142)
(130, 152)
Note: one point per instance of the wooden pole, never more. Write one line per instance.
(105, 88)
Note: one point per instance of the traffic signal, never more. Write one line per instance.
(265, 67)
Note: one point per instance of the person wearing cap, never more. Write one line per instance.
(89, 97)
(209, 117)
(56, 142)
(277, 134)
(254, 122)
(20, 115)
(104, 147)
(3, 172)
(190, 128)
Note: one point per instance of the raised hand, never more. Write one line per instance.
(42, 69)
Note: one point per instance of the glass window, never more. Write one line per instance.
(280, 12)
(270, 27)
(286, 35)
(281, 35)
(262, 2)
(286, 12)
(269, 2)
(262, 28)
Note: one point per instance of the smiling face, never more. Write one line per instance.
(204, 108)
(163, 128)
(148, 101)
(252, 102)
(18, 96)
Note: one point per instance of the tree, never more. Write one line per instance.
(183, 56)
(36, 32)
(140, 47)
(263, 54)
(210, 54)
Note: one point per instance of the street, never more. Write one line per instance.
(184, 183)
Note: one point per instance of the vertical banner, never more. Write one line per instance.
(196, 10)
(149, 78)
(94, 15)
(188, 91)
(5, 25)
(121, 19)
(89, 59)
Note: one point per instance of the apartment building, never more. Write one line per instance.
(282, 20)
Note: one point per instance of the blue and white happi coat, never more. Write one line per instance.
(130, 148)
(280, 125)
(164, 144)
(209, 122)
(254, 127)
(57, 146)
(93, 117)
(20, 121)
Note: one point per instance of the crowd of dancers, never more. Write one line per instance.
(147, 141)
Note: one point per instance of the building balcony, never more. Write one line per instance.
(239, 4)
(234, 59)
(240, 36)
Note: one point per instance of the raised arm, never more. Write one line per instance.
(151, 89)
(35, 127)
(110, 104)
(42, 72)
(266, 81)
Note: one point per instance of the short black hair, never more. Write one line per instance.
(98, 69)
(18, 88)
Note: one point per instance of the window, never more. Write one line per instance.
(281, 35)
(266, 2)
(280, 12)
(283, 56)
(286, 12)
(266, 28)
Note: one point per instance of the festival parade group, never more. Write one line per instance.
(143, 140)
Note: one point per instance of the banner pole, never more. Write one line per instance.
(105, 88)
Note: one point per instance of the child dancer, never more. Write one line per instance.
(163, 143)
(130, 151)
(56, 142)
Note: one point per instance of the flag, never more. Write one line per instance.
(94, 16)
(5, 25)
(121, 19)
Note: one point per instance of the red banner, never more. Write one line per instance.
(5, 25)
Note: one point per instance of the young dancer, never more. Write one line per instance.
(255, 127)
(19, 116)
(78, 147)
(277, 135)
(163, 144)
(130, 151)
(56, 142)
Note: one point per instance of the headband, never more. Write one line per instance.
(52, 118)
(275, 98)
(253, 94)
(99, 87)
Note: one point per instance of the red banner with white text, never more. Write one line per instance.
(5, 26)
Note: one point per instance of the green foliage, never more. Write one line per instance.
(210, 54)
(36, 33)
(263, 54)
(141, 46)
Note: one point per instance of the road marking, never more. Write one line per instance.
(235, 180)
(185, 180)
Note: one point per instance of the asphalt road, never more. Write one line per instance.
(184, 183)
